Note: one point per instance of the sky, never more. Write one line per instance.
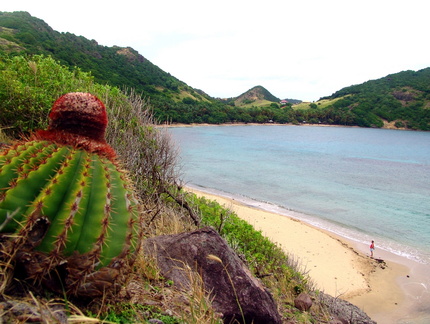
(297, 49)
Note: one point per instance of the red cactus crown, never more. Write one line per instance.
(78, 119)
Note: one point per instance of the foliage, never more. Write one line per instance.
(402, 97)
(117, 66)
(257, 95)
(283, 274)
(124, 313)
(28, 88)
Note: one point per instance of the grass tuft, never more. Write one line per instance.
(198, 301)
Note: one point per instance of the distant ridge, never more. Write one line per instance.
(400, 100)
(256, 96)
(257, 93)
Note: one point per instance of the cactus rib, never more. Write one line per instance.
(28, 185)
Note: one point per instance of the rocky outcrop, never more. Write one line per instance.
(130, 54)
(237, 295)
(345, 312)
(32, 311)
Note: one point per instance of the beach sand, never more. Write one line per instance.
(334, 264)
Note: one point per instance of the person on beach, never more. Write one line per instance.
(372, 248)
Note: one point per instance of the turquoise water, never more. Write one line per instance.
(360, 183)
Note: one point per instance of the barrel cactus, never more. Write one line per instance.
(69, 218)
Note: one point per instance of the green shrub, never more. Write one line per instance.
(29, 87)
(125, 313)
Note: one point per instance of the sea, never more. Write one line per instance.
(363, 184)
(360, 183)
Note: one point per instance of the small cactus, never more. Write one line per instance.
(67, 208)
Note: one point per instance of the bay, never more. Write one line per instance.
(360, 183)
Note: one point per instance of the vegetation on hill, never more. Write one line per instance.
(22, 34)
(257, 96)
(402, 98)
(116, 66)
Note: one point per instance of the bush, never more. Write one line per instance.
(29, 87)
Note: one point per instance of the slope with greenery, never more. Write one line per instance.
(172, 100)
(257, 96)
(116, 66)
(401, 99)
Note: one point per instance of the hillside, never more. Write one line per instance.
(257, 96)
(401, 100)
(23, 34)
(172, 100)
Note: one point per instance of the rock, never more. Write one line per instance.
(303, 302)
(345, 312)
(223, 274)
(155, 321)
(20, 311)
(337, 321)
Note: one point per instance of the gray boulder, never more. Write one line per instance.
(344, 312)
(224, 275)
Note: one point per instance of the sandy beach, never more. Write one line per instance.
(336, 266)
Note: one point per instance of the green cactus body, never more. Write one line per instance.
(68, 177)
(83, 195)
(23, 188)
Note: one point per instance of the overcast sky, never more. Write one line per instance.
(299, 49)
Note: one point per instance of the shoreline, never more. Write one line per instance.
(386, 125)
(387, 291)
(250, 124)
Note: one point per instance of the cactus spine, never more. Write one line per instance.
(68, 177)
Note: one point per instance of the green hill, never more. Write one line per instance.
(20, 33)
(172, 99)
(257, 96)
(400, 100)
